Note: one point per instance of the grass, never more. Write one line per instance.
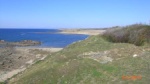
(69, 67)
(2, 83)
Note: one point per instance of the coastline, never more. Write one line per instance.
(83, 31)
(77, 31)
(23, 57)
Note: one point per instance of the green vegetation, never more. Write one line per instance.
(2, 83)
(137, 34)
(86, 62)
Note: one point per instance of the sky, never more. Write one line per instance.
(72, 13)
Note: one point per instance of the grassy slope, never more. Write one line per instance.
(69, 67)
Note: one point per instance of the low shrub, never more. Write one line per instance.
(137, 34)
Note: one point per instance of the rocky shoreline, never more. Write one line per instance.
(16, 57)
(21, 43)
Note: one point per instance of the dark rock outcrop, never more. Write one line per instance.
(21, 43)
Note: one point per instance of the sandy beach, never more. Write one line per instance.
(16, 59)
(83, 31)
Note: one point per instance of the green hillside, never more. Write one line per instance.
(91, 61)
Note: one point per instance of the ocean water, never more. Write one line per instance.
(48, 37)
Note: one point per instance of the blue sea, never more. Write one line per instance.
(48, 37)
